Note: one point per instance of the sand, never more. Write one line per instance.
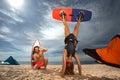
(89, 72)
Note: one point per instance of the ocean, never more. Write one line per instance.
(58, 62)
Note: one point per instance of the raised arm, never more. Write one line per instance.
(44, 49)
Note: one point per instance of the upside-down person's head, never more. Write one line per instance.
(69, 69)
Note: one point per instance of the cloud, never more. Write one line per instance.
(5, 29)
(12, 15)
(19, 29)
(52, 32)
(6, 38)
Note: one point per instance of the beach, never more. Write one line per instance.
(89, 72)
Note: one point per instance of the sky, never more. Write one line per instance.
(24, 21)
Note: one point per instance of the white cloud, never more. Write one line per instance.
(5, 29)
(6, 38)
(16, 3)
(12, 15)
(31, 35)
(52, 29)
(52, 33)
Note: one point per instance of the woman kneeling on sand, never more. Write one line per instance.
(38, 57)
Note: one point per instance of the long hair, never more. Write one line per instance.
(34, 50)
(69, 70)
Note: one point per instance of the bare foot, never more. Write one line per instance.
(62, 15)
(44, 68)
(62, 75)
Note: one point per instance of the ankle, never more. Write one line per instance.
(80, 16)
(62, 14)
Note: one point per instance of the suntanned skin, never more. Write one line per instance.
(39, 57)
(64, 56)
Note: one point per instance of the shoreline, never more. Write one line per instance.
(89, 72)
(59, 62)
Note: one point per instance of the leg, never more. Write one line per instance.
(64, 62)
(35, 67)
(78, 62)
(35, 59)
(66, 28)
(76, 29)
(45, 62)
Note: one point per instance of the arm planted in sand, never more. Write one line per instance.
(64, 63)
(78, 62)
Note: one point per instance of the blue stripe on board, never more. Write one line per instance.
(87, 14)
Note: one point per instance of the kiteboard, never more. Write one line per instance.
(71, 14)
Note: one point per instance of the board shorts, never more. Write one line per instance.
(40, 64)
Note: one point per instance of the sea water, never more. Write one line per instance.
(58, 62)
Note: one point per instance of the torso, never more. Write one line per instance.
(70, 44)
(71, 38)
(39, 56)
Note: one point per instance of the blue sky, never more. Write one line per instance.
(21, 23)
